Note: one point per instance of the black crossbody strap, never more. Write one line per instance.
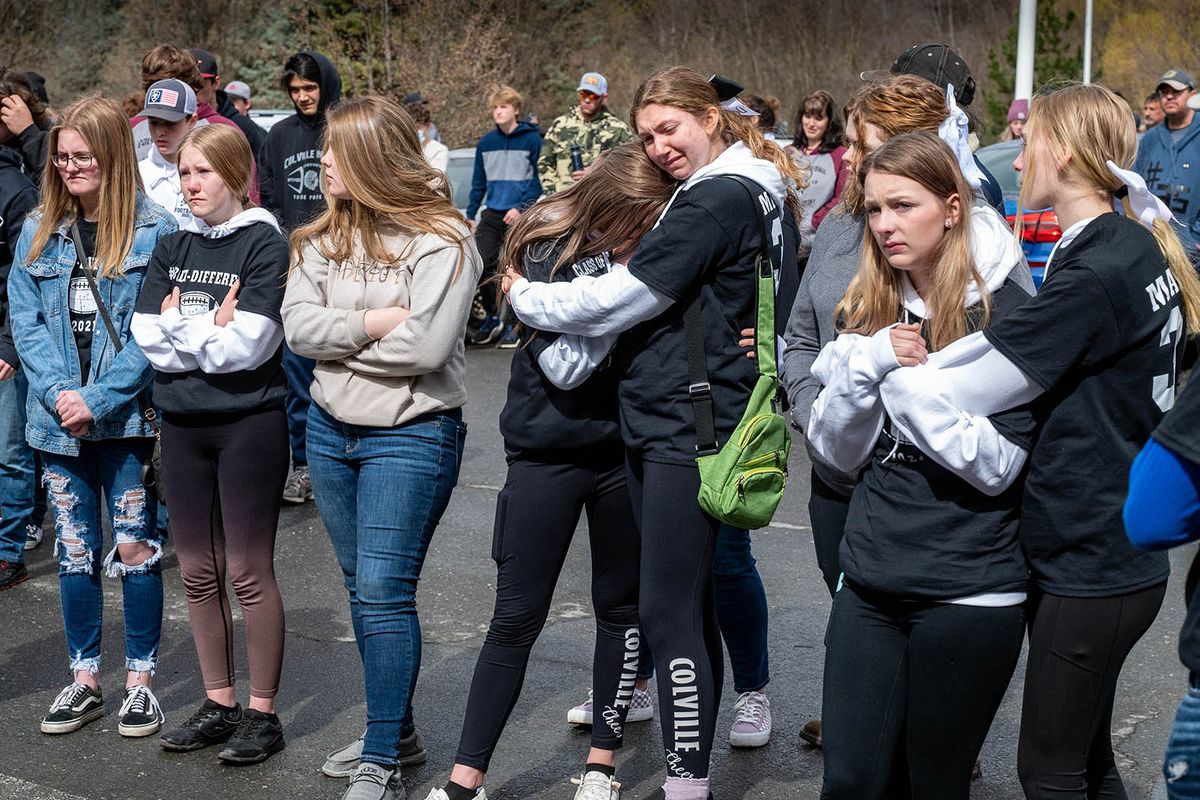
(81, 258)
(699, 389)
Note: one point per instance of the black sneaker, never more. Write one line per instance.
(140, 714)
(256, 739)
(75, 706)
(11, 574)
(212, 724)
(412, 750)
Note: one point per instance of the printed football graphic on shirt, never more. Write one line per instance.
(193, 304)
(82, 305)
(304, 179)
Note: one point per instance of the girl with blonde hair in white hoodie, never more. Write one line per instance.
(928, 620)
(208, 320)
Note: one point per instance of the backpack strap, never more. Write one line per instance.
(699, 389)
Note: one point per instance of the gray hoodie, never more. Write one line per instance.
(831, 266)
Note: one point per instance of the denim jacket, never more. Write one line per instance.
(41, 326)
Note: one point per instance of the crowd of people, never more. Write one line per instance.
(201, 318)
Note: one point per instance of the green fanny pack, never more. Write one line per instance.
(742, 481)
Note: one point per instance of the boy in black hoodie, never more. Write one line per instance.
(18, 196)
(289, 179)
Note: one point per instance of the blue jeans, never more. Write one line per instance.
(741, 604)
(1181, 764)
(741, 609)
(299, 372)
(381, 493)
(112, 467)
(16, 469)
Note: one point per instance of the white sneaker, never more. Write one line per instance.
(595, 785)
(641, 709)
(33, 536)
(751, 720)
(440, 794)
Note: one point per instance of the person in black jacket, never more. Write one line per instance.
(23, 121)
(18, 196)
(563, 444)
(218, 99)
(290, 181)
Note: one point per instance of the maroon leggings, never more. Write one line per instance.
(224, 476)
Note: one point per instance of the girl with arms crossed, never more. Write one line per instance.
(208, 320)
(379, 296)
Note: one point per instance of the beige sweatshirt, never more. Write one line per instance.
(419, 366)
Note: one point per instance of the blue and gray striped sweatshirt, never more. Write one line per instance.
(506, 169)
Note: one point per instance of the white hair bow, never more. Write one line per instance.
(735, 106)
(1146, 207)
(953, 131)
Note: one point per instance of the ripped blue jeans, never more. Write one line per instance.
(111, 468)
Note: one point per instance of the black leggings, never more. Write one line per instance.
(225, 475)
(1077, 646)
(916, 680)
(536, 515)
(677, 609)
(827, 512)
(489, 238)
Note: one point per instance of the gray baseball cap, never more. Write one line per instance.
(171, 100)
(238, 89)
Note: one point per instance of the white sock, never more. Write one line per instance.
(686, 789)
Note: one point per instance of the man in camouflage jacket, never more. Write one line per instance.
(590, 125)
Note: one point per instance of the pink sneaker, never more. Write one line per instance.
(751, 720)
(641, 709)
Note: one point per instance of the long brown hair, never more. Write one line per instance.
(104, 127)
(686, 89)
(391, 186)
(874, 298)
(895, 105)
(228, 153)
(1093, 126)
(618, 199)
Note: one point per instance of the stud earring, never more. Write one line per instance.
(948, 224)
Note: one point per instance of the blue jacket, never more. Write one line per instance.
(1173, 173)
(41, 326)
(506, 169)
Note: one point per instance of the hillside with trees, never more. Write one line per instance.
(454, 50)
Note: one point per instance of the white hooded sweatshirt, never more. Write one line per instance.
(864, 383)
(593, 311)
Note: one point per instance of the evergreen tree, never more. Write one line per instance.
(1058, 56)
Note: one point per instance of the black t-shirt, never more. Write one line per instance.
(204, 269)
(707, 244)
(1180, 433)
(538, 415)
(81, 303)
(1103, 338)
(917, 530)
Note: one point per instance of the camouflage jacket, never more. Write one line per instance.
(601, 133)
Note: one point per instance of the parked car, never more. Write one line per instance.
(267, 117)
(460, 170)
(1039, 229)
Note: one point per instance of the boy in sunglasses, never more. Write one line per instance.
(590, 126)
